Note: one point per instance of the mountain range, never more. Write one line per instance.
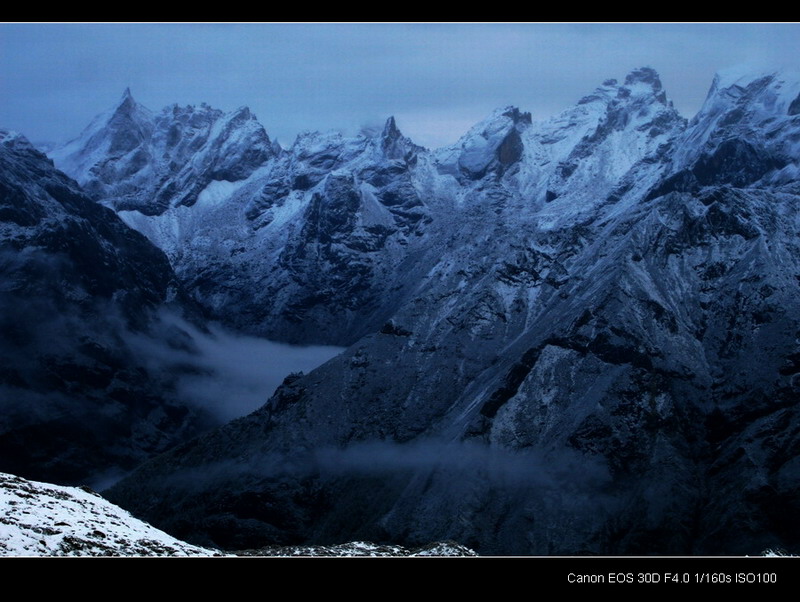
(574, 336)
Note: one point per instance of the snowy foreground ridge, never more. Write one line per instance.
(40, 519)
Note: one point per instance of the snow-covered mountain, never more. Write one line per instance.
(134, 159)
(78, 402)
(324, 242)
(267, 241)
(574, 336)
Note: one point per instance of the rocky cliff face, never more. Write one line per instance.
(79, 404)
(576, 336)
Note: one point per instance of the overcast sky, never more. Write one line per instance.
(437, 79)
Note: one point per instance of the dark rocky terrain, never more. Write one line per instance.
(80, 400)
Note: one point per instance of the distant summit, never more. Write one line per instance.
(133, 159)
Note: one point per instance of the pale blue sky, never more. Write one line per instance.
(437, 79)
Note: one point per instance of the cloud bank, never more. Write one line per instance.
(227, 374)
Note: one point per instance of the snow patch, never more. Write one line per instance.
(216, 193)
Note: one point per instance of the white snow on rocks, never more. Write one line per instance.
(39, 519)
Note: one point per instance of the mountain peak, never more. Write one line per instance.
(244, 113)
(516, 115)
(644, 75)
(126, 104)
(16, 142)
(11, 136)
(777, 88)
(390, 131)
(742, 75)
(127, 97)
(394, 144)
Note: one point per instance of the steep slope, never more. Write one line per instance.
(601, 357)
(79, 402)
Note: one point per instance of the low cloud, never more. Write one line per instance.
(500, 466)
(227, 374)
(565, 470)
